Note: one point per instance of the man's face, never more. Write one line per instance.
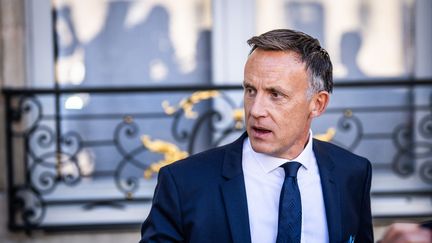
(278, 111)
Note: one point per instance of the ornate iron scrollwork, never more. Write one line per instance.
(196, 116)
(412, 149)
(29, 204)
(127, 129)
(349, 124)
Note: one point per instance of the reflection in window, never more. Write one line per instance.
(365, 38)
(102, 42)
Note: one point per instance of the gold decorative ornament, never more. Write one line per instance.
(170, 151)
(187, 103)
(328, 136)
(128, 119)
(238, 115)
(348, 113)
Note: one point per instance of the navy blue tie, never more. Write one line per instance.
(290, 215)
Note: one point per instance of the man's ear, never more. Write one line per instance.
(318, 103)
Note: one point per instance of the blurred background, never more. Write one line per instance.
(97, 95)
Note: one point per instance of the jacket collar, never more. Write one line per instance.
(234, 192)
(232, 165)
(331, 194)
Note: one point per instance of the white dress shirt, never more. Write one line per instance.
(263, 180)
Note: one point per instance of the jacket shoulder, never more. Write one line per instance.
(202, 166)
(335, 150)
(214, 154)
(337, 153)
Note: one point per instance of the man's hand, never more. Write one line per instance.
(407, 233)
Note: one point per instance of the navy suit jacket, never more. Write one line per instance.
(203, 197)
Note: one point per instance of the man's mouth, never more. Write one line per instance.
(260, 130)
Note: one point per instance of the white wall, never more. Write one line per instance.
(12, 61)
(423, 39)
(233, 25)
(40, 51)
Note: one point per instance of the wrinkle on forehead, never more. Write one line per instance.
(296, 57)
(273, 63)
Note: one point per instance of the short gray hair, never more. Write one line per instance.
(316, 58)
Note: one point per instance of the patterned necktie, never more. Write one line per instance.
(290, 215)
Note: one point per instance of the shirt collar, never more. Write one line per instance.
(270, 163)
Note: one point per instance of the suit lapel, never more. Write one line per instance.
(330, 192)
(234, 193)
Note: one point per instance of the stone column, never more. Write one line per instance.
(12, 62)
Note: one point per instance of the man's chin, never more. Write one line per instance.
(260, 147)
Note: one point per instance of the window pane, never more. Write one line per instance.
(366, 39)
(111, 43)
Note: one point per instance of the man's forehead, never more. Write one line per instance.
(274, 62)
(291, 53)
(268, 85)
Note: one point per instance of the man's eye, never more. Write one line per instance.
(275, 95)
(249, 90)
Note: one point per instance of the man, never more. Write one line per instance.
(240, 192)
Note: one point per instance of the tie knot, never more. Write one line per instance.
(291, 168)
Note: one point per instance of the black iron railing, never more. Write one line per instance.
(101, 159)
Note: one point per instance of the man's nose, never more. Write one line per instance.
(258, 107)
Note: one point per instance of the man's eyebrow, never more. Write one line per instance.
(273, 89)
(277, 89)
(247, 84)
